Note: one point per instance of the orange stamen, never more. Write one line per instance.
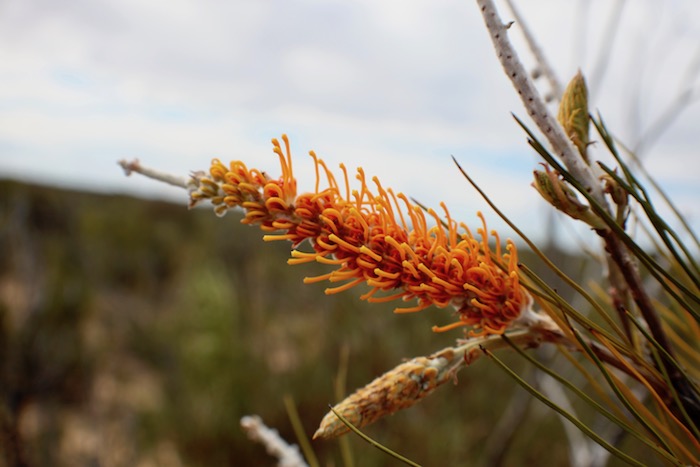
(449, 327)
(388, 298)
(344, 287)
(343, 243)
(370, 253)
(388, 275)
(414, 309)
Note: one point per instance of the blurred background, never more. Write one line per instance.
(134, 332)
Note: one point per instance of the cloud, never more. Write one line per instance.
(394, 86)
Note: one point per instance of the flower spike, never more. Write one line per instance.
(372, 236)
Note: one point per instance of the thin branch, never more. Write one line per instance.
(584, 177)
(606, 46)
(535, 105)
(135, 166)
(542, 63)
(629, 270)
(287, 454)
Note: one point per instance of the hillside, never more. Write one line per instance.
(137, 332)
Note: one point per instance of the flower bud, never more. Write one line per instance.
(560, 195)
(573, 114)
(618, 194)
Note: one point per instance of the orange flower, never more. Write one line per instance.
(375, 237)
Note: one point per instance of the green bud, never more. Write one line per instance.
(560, 195)
(573, 114)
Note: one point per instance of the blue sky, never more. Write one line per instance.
(396, 87)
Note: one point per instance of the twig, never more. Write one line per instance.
(542, 62)
(135, 166)
(535, 105)
(563, 146)
(628, 268)
(606, 46)
(287, 454)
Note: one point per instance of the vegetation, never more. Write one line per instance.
(139, 333)
(135, 333)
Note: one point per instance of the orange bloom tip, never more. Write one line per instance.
(449, 327)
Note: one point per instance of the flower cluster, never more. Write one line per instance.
(378, 238)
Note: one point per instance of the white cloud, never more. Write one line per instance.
(394, 86)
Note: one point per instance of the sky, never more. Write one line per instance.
(397, 87)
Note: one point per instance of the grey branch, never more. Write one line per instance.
(288, 455)
(535, 105)
(135, 166)
(542, 62)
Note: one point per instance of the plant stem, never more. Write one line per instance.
(135, 166)
(628, 268)
(535, 105)
(542, 63)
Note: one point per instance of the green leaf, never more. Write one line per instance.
(374, 443)
(588, 431)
